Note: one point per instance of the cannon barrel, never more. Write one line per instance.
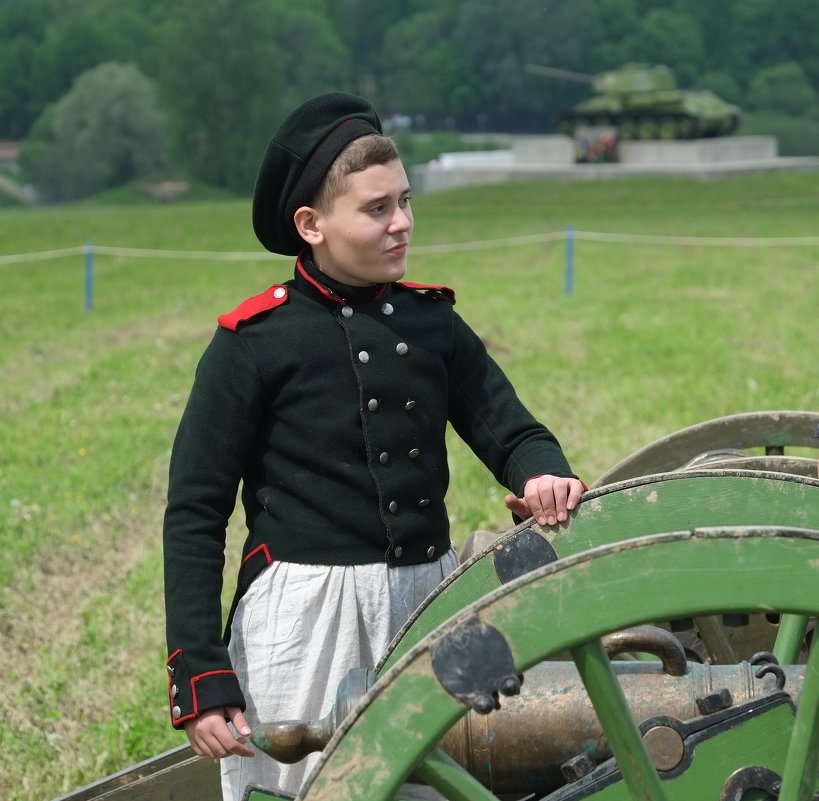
(549, 734)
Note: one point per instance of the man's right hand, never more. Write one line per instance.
(210, 736)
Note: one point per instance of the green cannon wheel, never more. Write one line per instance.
(568, 604)
(772, 431)
(634, 508)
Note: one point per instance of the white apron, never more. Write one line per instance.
(297, 632)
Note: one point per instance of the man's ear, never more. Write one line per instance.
(306, 220)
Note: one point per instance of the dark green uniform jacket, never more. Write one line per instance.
(332, 415)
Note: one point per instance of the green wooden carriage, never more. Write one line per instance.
(658, 646)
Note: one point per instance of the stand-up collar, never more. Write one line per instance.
(310, 278)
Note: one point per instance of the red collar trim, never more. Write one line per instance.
(437, 290)
(325, 291)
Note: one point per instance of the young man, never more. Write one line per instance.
(327, 398)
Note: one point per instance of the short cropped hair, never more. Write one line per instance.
(357, 156)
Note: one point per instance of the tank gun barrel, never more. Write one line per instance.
(556, 72)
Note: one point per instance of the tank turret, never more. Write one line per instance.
(643, 102)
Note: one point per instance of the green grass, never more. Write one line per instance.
(654, 338)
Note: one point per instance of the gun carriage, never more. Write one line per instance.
(659, 646)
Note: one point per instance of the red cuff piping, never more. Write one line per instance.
(264, 549)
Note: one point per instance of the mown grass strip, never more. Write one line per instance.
(655, 337)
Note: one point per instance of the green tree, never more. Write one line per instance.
(422, 71)
(361, 25)
(324, 66)
(223, 77)
(673, 38)
(618, 19)
(107, 131)
(497, 38)
(46, 44)
(784, 88)
(800, 37)
(756, 38)
(22, 91)
(723, 84)
(716, 24)
(21, 98)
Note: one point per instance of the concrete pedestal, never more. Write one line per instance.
(535, 157)
(721, 150)
(558, 151)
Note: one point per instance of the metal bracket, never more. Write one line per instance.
(521, 553)
(690, 735)
(474, 663)
(753, 777)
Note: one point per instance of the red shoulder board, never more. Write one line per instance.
(437, 291)
(272, 297)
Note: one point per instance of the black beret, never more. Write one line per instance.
(301, 151)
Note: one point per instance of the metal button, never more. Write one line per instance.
(170, 670)
(177, 712)
(398, 551)
(401, 349)
(347, 311)
(372, 404)
(393, 507)
(384, 458)
(414, 453)
(423, 502)
(409, 405)
(174, 691)
(430, 551)
(363, 356)
(279, 292)
(387, 308)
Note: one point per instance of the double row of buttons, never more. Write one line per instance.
(402, 349)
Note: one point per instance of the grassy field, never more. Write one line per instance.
(655, 337)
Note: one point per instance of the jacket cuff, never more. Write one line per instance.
(191, 695)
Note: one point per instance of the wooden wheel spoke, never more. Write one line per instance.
(621, 731)
(440, 771)
(789, 638)
(801, 773)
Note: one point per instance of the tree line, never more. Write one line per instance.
(101, 92)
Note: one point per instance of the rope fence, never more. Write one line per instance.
(569, 236)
